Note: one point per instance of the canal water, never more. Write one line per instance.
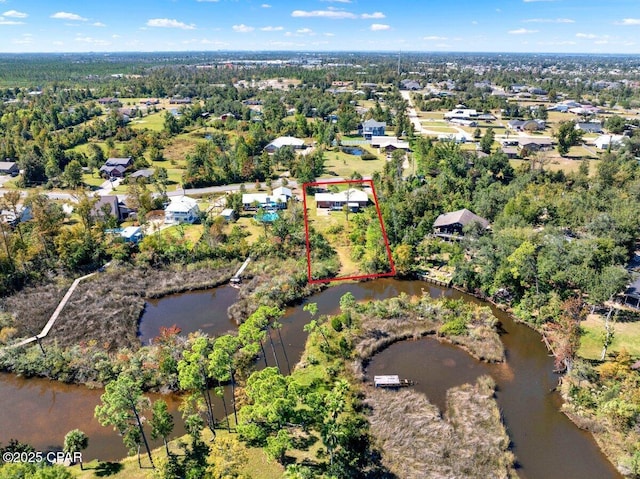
(546, 444)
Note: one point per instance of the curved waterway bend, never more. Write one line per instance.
(546, 444)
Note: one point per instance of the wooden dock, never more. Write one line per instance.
(391, 381)
(237, 278)
(430, 279)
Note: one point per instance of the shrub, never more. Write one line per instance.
(336, 323)
(454, 327)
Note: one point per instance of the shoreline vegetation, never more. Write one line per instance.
(470, 440)
(477, 327)
(106, 309)
(562, 208)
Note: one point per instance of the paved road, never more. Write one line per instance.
(71, 197)
(417, 124)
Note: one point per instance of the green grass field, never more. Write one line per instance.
(152, 121)
(626, 335)
(256, 464)
(343, 164)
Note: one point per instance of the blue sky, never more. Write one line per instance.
(571, 26)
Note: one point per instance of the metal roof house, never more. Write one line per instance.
(604, 142)
(354, 199)
(9, 168)
(371, 128)
(275, 145)
(131, 234)
(253, 201)
(182, 209)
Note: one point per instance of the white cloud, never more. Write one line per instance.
(601, 42)
(586, 35)
(630, 21)
(549, 20)
(371, 16)
(522, 31)
(564, 42)
(169, 23)
(333, 14)
(265, 5)
(434, 38)
(242, 28)
(68, 16)
(272, 29)
(92, 41)
(218, 43)
(4, 21)
(26, 39)
(304, 31)
(14, 14)
(474, 22)
(379, 27)
(329, 34)
(98, 24)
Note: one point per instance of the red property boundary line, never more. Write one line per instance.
(384, 232)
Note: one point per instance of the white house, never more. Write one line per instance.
(457, 137)
(182, 209)
(461, 114)
(295, 143)
(132, 234)
(264, 200)
(604, 141)
(282, 191)
(354, 199)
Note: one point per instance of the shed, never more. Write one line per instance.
(228, 214)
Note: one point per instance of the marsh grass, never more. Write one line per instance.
(416, 441)
(385, 322)
(107, 307)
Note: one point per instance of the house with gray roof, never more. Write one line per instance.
(451, 225)
(371, 128)
(9, 168)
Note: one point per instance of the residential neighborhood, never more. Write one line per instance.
(215, 256)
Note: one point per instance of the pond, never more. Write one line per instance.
(545, 442)
(352, 150)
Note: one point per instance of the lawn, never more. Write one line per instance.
(247, 223)
(626, 335)
(335, 228)
(256, 465)
(190, 233)
(429, 126)
(343, 165)
(434, 115)
(152, 121)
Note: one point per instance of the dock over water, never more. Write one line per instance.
(391, 381)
